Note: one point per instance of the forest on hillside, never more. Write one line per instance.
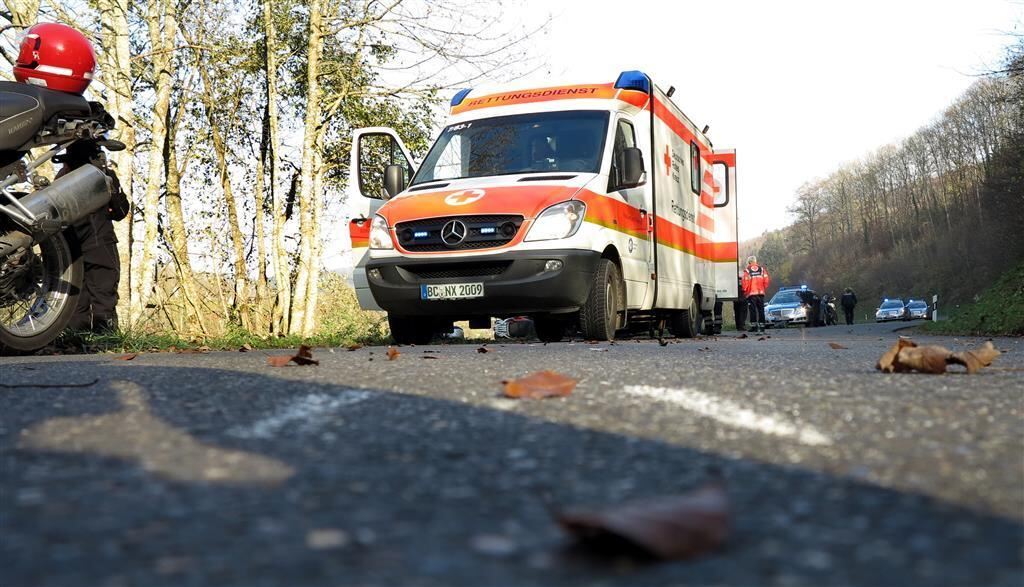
(940, 212)
(237, 117)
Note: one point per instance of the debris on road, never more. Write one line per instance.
(354, 347)
(540, 385)
(483, 349)
(128, 357)
(671, 527)
(836, 346)
(906, 356)
(326, 539)
(393, 353)
(303, 357)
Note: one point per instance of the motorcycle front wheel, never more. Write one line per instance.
(39, 290)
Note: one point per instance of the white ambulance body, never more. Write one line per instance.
(594, 205)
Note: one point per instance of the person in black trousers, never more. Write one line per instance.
(849, 302)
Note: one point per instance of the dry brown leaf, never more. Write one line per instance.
(393, 353)
(540, 385)
(836, 346)
(976, 359)
(128, 357)
(906, 356)
(302, 358)
(887, 363)
(673, 527)
(483, 349)
(354, 347)
(245, 348)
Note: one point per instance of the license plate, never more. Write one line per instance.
(452, 291)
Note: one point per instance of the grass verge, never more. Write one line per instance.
(999, 311)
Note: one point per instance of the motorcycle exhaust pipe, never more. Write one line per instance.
(66, 201)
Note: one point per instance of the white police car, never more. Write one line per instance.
(891, 309)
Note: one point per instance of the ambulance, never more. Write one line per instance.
(588, 207)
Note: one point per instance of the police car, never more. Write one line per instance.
(917, 309)
(891, 309)
(790, 305)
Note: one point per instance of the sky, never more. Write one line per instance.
(798, 88)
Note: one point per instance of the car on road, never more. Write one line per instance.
(918, 309)
(789, 305)
(891, 309)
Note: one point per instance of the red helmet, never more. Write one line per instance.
(57, 57)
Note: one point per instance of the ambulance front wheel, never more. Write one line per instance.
(599, 316)
(411, 330)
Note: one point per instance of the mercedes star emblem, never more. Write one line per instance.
(453, 232)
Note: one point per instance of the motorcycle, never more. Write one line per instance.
(41, 268)
(829, 306)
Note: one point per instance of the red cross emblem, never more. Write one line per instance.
(668, 161)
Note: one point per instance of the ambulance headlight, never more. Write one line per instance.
(380, 236)
(558, 221)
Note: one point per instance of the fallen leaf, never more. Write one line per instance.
(744, 335)
(354, 347)
(540, 385)
(429, 357)
(906, 355)
(976, 359)
(128, 357)
(836, 346)
(303, 357)
(393, 353)
(670, 527)
(245, 348)
(600, 350)
(483, 349)
(760, 338)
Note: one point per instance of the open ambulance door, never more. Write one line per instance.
(373, 149)
(726, 236)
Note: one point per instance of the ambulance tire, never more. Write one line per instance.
(599, 316)
(687, 323)
(549, 328)
(411, 329)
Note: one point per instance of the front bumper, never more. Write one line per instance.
(887, 318)
(785, 318)
(515, 283)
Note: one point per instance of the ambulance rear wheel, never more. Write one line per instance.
(599, 316)
(687, 323)
(411, 330)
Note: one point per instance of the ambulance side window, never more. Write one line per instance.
(625, 137)
(695, 168)
(720, 186)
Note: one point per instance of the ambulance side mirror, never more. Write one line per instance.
(394, 180)
(632, 168)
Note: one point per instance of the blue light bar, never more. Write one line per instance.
(634, 80)
(460, 96)
(420, 234)
(487, 230)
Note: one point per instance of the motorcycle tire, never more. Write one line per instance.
(59, 277)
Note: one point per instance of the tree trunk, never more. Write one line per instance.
(259, 199)
(281, 266)
(308, 229)
(241, 289)
(115, 57)
(162, 41)
(178, 234)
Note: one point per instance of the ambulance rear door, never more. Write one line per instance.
(725, 252)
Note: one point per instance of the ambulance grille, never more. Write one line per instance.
(457, 270)
(482, 232)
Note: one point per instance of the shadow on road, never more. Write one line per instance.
(254, 480)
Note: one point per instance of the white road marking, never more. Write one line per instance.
(731, 413)
(308, 412)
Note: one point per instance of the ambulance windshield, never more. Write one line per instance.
(526, 143)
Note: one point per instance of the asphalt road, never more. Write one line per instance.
(216, 469)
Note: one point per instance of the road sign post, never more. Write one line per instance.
(935, 308)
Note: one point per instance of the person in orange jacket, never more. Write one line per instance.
(755, 285)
